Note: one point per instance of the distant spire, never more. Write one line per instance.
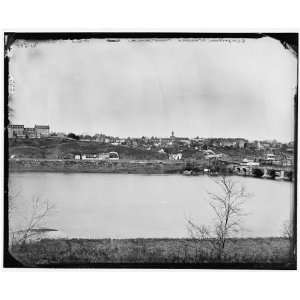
(172, 133)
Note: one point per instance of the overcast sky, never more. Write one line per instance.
(242, 88)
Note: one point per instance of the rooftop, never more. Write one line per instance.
(15, 126)
(42, 126)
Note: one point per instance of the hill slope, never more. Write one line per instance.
(56, 148)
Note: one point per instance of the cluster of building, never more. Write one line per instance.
(277, 160)
(240, 143)
(98, 156)
(177, 148)
(162, 144)
(19, 131)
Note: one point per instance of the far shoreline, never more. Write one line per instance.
(124, 166)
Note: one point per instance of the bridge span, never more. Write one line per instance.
(265, 171)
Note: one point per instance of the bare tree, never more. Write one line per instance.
(228, 210)
(288, 233)
(287, 230)
(13, 195)
(40, 210)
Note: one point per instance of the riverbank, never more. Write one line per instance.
(97, 166)
(124, 166)
(255, 252)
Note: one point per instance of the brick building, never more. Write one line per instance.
(15, 131)
(19, 131)
(29, 133)
(41, 130)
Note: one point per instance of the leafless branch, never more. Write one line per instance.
(228, 209)
(41, 209)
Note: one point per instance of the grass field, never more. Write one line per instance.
(253, 251)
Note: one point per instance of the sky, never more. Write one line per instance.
(206, 88)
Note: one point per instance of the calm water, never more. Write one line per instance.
(128, 206)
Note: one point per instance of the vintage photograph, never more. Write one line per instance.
(150, 150)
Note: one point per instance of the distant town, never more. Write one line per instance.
(162, 145)
(174, 147)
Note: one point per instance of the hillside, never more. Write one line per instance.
(57, 148)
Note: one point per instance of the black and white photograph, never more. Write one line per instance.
(150, 150)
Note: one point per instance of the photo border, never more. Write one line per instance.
(288, 40)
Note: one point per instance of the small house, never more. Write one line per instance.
(90, 157)
(249, 163)
(177, 156)
(113, 156)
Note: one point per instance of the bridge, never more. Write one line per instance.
(265, 171)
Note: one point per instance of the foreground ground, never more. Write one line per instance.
(251, 251)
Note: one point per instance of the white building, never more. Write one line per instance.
(99, 156)
(90, 157)
(211, 154)
(249, 163)
(270, 157)
(174, 156)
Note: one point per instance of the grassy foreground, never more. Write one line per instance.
(251, 251)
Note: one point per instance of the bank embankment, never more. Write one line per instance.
(98, 166)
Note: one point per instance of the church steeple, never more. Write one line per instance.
(172, 136)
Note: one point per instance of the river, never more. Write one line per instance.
(90, 205)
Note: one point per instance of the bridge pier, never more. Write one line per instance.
(276, 172)
(281, 176)
(250, 171)
(266, 175)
